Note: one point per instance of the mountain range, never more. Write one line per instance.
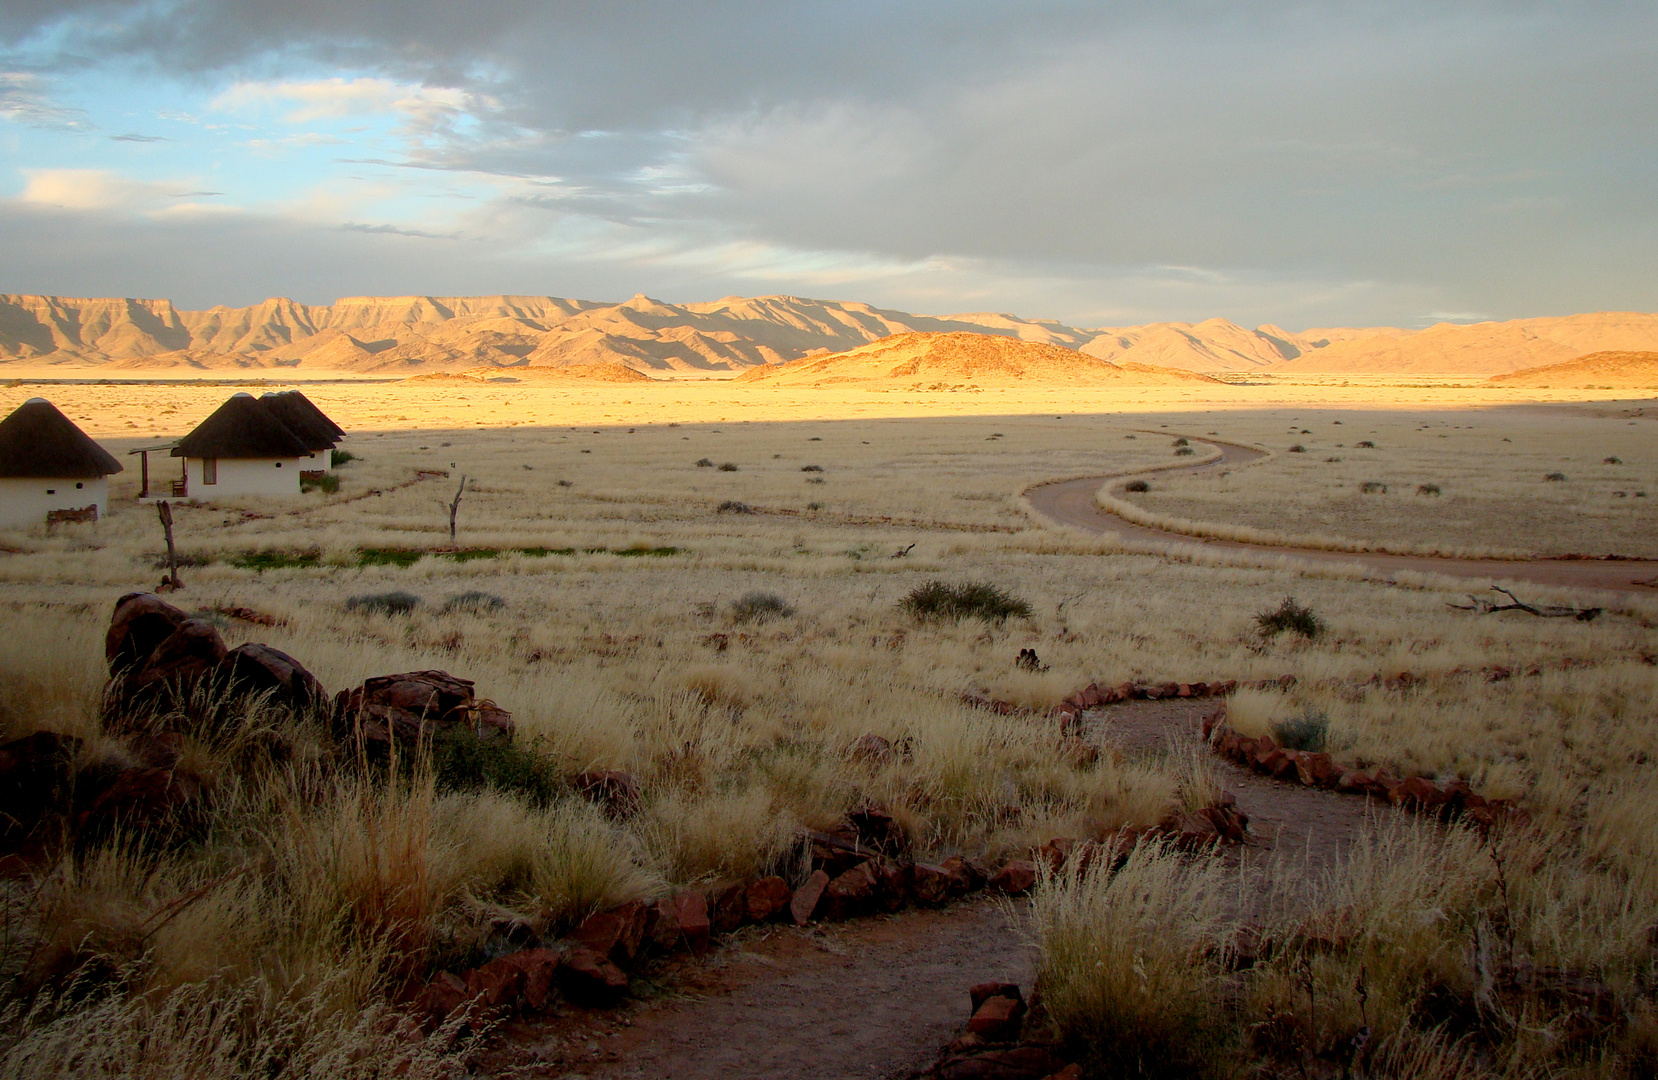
(411, 335)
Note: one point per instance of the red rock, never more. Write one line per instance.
(849, 894)
(587, 978)
(1054, 853)
(661, 927)
(496, 985)
(1089, 698)
(153, 803)
(440, 997)
(616, 933)
(1317, 770)
(1014, 879)
(616, 792)
(691, 913)
(254, 669)
(1183, 690)
(1417, 793)
(411, 706)
(766, 898)
(969, 875)
(1354, 782)
(930, 884)
(982, 992)
(1264, 747)
(540, 968)
(805, 900)
(727, 906)
(876, 829)
(141, 622)
(892, 884)
(1018, 1063)
(188, 656)
(872, 750)
(1200, 689)
(997, 1020)
(36, 781)
(1224, 688)
(1072, 1071)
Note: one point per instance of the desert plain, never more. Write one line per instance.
(700, 584)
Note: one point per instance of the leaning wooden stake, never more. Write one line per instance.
(1487, 607)
(165, 510)
(454, 508)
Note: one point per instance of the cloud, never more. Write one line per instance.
(422, 109)
(102, 190)
(23, 100)
(139, 138)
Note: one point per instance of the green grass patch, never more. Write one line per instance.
(276, 560)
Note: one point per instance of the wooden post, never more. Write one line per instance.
(454, 508)
(165, 510)
(143, 474)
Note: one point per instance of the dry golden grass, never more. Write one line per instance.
(738, 729)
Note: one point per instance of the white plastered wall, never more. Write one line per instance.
(26, 502)
(246, 476)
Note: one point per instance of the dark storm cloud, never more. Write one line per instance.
(1495, 157)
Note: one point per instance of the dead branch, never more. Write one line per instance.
(454, 508)
(1552, 611)
(902, 552)
(164, 510)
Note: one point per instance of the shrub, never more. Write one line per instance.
(1291, 617)
(336, 458)
(814, 506)
(1298, 449)
(973, 600)
(704, 463)
(387, 603)
(1184, 451)
(1332, 460)
(1136, 486)
(1556, 477)
(732, 506)
(564, 483)
(325, 483)
(811, 468)
(1309, 731)
(462, 761)
(760, 607)
(1614, 460)
(729, 466)
(1427, 489)
(1181, 442)
(474, 602)
(1373, 487)
(1366, 443)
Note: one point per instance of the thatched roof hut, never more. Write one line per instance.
(304, 419)
(39, 442)
(242, 427)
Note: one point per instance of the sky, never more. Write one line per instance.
(1389, 162)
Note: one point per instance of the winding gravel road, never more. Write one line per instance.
(1071, 502)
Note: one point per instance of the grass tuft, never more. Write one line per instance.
(1292, 618)
(938, 600)
(760, 607)
(386, 603)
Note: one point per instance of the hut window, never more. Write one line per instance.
(210, 470)
(279, 464)
(51, 491)
(78, 486)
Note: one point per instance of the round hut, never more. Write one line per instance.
(50, 470)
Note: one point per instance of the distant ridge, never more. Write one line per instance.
(953, 360)
(1618, 369)
(413, 335)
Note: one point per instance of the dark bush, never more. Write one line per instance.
(1332, 460)
(462, 761)
(974, 600)
(1427, 489)
(474, 602)
(1309, 731)
(1556, 477)
(729, 466)
(732, 506)
(704, 463)
(814, 506)
(1614, 460)
(1181, 442)
(1298, 449)
(336, 458)
(760, 607)
(811, 468)
(1366, 443)
(1137, 486)
(1373, 487)
(326, 483)
(388, 603)
(564, 483)
(1290, 617)
(1184, 451)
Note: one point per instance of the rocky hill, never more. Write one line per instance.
(1601, 369)
(946, 361)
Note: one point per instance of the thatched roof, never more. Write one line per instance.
(241, 428)
(37, 441)
(302, 418)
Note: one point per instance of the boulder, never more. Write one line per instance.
(496, 985)
(850, 894)
(253, 668)
(892, 884)
(586, 978)
(997, 1019)
(979, 993)
(187, 657)
(968, 876)
(877, 830)
(1014, 879)
(727, 906)
(930, 884)
(1018, 1063)
(417, 705)
(156, 749)
(141, 622)
(1317, 770)
(661, 925)
(804, 903)
(767, 898)
(615, 933)
(154, 804)
(1417, 793)
(36, 781)
(617, 793)
(540, 969)
(691, 915)
(439, 998)
(871, 750)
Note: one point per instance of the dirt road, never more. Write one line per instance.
(1071, 502)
